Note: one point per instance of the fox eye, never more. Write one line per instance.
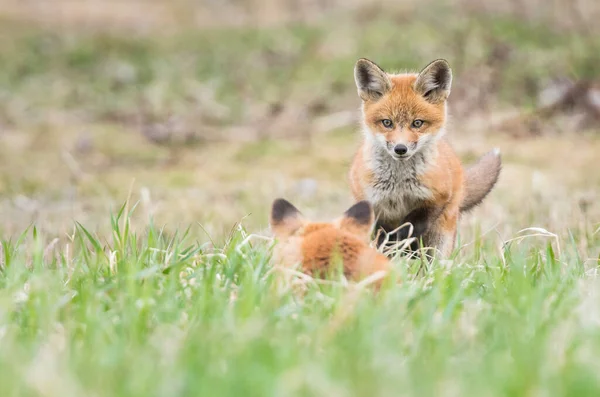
(387, 123)
(417, 123)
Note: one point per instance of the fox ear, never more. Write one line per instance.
(372, 82)
(434, 81)
(358, 219)
(285, 219)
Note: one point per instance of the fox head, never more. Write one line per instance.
(403, 113)
(314, 245)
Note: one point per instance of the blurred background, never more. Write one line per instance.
(205, 111)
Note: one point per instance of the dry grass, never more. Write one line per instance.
(203, 114)
(189, 161)
(152, 16)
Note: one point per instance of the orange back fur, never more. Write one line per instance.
(316, 245)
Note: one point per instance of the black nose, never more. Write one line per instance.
(400, 149)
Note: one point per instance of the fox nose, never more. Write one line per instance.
(400, 149)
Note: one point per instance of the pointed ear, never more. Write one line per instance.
(358, 219)
(285, 219)
(434, 81)
(372, 82)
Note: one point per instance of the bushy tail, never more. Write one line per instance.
(480, 179)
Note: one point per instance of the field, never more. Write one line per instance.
(142, 144)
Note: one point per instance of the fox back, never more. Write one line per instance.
(317, 245)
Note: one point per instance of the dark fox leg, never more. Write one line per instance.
(421, 220)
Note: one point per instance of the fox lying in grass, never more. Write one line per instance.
(405, 167)
(315, 245)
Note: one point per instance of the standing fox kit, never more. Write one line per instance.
(405, 167)
(314, 245)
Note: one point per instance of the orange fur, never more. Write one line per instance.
(315, 245)
(425, 184)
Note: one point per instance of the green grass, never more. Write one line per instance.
(109, 76)
(149, 302)
(140, 313)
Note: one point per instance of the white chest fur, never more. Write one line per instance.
(396, 189)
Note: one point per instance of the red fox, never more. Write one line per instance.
(405, 167)
(315, 244)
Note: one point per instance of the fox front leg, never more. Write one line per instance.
(416, 224)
